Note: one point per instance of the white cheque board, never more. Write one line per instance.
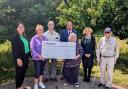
(58, 50)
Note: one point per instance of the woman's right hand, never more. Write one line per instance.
(19, 62)
(41, 57)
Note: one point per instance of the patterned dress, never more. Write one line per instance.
(71, 66)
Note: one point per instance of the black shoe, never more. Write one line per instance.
(46, 80)
(107, 88)
(85, 80)
(53, 79)
(61, 78)
(100, 85)
(88, 80)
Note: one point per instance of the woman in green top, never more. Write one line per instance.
(21, 54)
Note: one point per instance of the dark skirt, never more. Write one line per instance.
(71, 74)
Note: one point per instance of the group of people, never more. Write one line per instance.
(107, 53)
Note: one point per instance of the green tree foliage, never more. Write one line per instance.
(30, 12)
(96, 13)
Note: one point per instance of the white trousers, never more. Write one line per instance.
(106, 71)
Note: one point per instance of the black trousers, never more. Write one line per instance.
(20, 72)
(87, 66)
(87, 73)
(71, 74)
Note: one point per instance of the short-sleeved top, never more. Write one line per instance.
(52, 37)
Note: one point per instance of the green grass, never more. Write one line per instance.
(120, 76)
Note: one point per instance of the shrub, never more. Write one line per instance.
(6, 59)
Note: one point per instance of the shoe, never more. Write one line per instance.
(27, 87)
(100, 85)
(76, 85)
(85, 80)
(65, 84)
(35, 86)
(61, 78)
(107, 88)
(42, 85)
(46, 80)
(53, 79)
(88, 80)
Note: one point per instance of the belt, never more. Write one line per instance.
(107, 56)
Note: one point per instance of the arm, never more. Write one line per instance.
(98, 51)
(116, 51)
(61, 36)
(80, 51)
(32, 46)
(94, 44)
(15, 48)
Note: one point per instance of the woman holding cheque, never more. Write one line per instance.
(39, 61)
(71, 66)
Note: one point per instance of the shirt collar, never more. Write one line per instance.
(87, 37)
(69, 30)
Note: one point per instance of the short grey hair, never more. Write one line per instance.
(72, 34)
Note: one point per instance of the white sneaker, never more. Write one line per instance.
(35, 86)
(77, 85)
(42, 85)
(65, 84)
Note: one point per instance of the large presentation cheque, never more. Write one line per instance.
(58, 50)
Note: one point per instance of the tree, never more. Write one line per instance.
(31, 12)
(97, 14)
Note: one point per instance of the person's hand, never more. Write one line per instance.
(41, 57)
(98, 61)
(115, 62)
(19, 62)
(77, 57)
(87, 55)
(63, 61)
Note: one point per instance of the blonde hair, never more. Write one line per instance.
(39, 26)
(87, 29)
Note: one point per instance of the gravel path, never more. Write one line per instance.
(52, 85)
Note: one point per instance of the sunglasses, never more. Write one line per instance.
(107, 32)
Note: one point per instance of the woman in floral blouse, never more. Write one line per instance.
(71, 66)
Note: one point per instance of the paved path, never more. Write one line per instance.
(52, 85)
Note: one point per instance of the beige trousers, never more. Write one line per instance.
(106, 71)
